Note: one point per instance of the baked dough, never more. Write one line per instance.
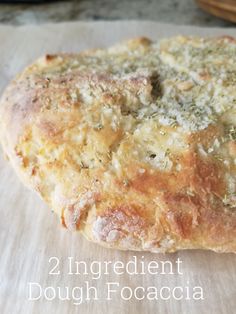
(133, 145)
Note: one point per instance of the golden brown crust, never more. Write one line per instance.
(134, 145)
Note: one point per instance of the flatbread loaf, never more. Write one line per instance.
(133, 145)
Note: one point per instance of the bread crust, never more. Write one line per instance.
(133, 145)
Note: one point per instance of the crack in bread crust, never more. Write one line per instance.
(133, 145)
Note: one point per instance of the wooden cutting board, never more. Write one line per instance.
(225, 9)
(31, 235)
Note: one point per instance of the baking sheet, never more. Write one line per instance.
(30, 234)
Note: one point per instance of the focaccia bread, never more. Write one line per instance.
(134, 145)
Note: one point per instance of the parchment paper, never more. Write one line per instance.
(30, 234)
